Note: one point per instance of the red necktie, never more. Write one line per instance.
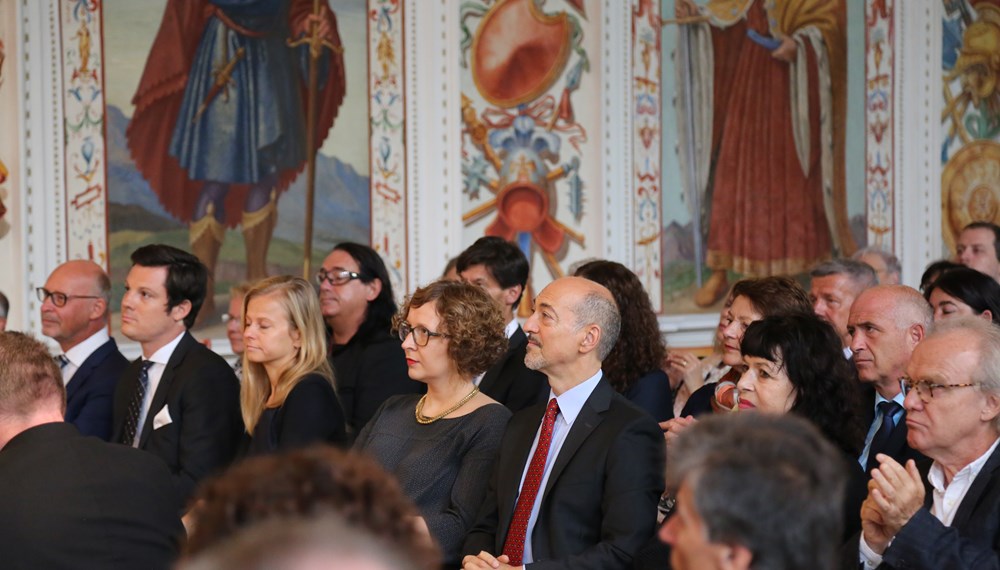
(513, 547)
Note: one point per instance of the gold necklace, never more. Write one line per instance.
(422, 419)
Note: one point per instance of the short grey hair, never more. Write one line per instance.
(602, 311)
(892, 264)
(862, 275)
(986, 374)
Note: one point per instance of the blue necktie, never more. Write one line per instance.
(62, 361)
(135, 404)
(881, 438)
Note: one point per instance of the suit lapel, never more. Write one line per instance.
(163, 388)
(88, 365)
(522, 435)
(983, 481)
(589, 418)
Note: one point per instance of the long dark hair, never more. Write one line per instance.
(640, 348)
(826, 384)
(378, 317)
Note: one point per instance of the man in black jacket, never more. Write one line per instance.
(69, 501)
(501, 269)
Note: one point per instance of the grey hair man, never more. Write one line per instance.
(725, 468)
(885, 264)
(577, 480)
(835, 284)
(953, 416)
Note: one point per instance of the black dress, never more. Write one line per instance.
(310, 414)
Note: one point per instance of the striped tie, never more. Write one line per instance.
(135, 405)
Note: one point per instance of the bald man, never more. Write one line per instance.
(75, 314)
(885, 324)
(577, 480)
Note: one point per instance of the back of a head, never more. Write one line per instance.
(307, 483)
(771, 484)
(861, 275)
(371, 266)
(977, 290)
(30, 380)
(327, 542)
(502, 259)
(187, 276)
(891, 262)
(774, 296)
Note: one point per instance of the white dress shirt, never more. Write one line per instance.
(159, 359)
(863, 460)
(570, 403)
(81, 352)
(509, 330)
(947, 497)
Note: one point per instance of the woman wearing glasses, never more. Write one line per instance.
(287, 396)
(442, 445)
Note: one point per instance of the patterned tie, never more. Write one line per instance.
(513, 546)
(62, 361)
(135, 404)
(881, 437)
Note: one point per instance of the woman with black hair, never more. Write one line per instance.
(962, 292)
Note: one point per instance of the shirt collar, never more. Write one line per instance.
(162, 356)
(511, 327)
(898, 398)
(968, 473)
(571, 401)
(79, 353)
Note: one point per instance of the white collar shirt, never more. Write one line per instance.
(78, 354)
(159, 360)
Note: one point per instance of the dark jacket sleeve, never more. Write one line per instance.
(925, 543)
(652, 393)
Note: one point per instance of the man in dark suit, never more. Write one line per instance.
(885, 324)
(953, 415)
(69, 501)
(577, 480)
(501, 269)
(74, 313)
(180, 401)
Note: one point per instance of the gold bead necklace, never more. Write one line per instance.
(422, 419)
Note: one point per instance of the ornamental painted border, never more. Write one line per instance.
(880, 65)
(646, 54)
(84, 153)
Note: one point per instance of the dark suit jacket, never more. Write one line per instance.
(897, 448)
(599, 503)
(70, 501)
(202, 396)
(510, 382)
(91, 391)
(972, 540)
(366, 371)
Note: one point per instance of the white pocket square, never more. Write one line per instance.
(162, 418)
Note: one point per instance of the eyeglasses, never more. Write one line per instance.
(229, 318)
(59, 299)
(926, 390)
(336, 277)
(421, 335)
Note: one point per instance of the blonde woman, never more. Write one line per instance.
(442, 446)
(287, 397)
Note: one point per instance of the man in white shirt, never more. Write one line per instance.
(74, 313)
(885, 324)
(953, 415)
(577, 480)
(501, 269)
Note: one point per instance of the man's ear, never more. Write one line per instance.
(591, 339)
(992, 408)
(373, 289)
(98, 309)
(181, 310)
(510, 295)
(738, 557)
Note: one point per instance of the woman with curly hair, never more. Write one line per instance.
(795, 364)
(308, 484)
(287, 396)
(633, 367)
(963, 291)
(442, 445)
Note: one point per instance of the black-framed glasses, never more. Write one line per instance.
(59, 299)
(421, 335)
(336, 277)
(927, 391)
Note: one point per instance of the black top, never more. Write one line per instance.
(652, 393)
(367, 370)
(443, 467)
(310, 414)
(70, 501)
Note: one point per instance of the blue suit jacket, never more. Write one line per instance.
(90, 393)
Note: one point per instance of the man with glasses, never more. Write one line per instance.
(953, 415)
(885, 324)
(74, 313)
(356, 298)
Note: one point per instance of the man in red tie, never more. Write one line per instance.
(578, 479)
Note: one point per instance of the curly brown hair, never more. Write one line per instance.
(640, 348)
(471, 318)
(308, 483)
